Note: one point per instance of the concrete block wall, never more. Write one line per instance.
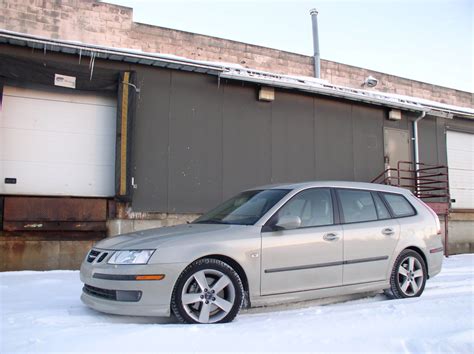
(94, 22)
(127, 220)
(460, 233)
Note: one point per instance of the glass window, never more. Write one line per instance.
(313, 206)
(400, 206)
(357, 205)
(244, 209)
(382, 211)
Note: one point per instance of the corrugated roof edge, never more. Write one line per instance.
(104, 52)
(326, 88)
(237, 72)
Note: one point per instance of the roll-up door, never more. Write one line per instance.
(57, 142)
(461, 169)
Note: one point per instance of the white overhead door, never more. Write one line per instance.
(461, 169)
(57, 142)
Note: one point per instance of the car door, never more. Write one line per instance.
(370, 236)
(305, 257)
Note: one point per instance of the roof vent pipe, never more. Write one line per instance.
(314, 20)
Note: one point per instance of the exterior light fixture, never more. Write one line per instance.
(266, 93)
(370, 81)
(395, 114)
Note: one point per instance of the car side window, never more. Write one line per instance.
(399, 205)
(357, 205)
(312, 206)
(382, 210)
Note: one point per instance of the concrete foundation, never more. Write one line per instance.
(460, 233)
(16, 253)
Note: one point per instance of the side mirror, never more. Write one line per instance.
(288, 222)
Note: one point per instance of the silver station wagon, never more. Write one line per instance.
(269, 245)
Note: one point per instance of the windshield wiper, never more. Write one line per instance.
(210, 221)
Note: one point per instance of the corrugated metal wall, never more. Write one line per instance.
(197, 142)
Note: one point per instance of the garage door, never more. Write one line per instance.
(55, 142)
(461, 169)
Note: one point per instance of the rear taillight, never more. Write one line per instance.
(435, 216)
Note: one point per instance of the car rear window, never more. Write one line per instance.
(357, 206)
(399, 205)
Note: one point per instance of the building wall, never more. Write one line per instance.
(197, 143)
(90, 21)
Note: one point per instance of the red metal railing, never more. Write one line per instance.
(425, 181)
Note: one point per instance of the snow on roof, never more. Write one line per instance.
(109, 53)
(323, 87)
(237, 72)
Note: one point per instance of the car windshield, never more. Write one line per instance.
(244, 209)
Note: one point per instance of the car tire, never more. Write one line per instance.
(207, 291)
(408, 277)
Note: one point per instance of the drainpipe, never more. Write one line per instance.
(314, 20)
(417, 149)
(415, 138)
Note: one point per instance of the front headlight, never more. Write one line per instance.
(131, 257)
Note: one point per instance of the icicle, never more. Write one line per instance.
(91, 64)
(80, 55)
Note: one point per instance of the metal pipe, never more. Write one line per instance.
(417, 150)
(415, 138)
(317, 64)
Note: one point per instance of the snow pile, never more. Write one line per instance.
(41, 312)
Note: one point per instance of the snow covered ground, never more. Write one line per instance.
(41, 312)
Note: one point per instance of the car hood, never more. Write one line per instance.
(153, 238)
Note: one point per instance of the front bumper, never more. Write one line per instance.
(155, 295)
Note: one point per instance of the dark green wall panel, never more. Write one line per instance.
(293, 153)
(367, 142)
(246, 139)
(150, 140)
(195, 152)
(334, 140)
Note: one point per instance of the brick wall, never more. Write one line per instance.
(93, 22)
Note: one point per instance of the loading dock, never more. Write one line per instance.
(189, 134)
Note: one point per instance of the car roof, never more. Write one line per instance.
(335, 184)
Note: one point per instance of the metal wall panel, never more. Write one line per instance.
(195, 133)
(293, 153)
(246, 139)
(368, 142)
(55, 209)
(428, 141)
(197, 142)
(334, 140)
(150, 140)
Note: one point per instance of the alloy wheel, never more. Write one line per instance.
(410, 276)
(208, 296)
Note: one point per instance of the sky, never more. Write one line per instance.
(425, 40)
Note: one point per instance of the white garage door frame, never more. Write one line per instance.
(460, 155)
(57, 142)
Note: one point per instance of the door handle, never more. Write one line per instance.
(331, 237)
(388, 231)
